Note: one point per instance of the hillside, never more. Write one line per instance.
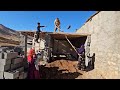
(8, 35)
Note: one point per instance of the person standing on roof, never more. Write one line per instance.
(38, 31)
(57, 24)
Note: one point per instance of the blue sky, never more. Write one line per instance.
(27, 20)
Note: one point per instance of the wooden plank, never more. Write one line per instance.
(62, 36)
(25, 53)
(72, 46)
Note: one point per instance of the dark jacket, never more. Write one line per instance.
(81, 49)
(38, 28)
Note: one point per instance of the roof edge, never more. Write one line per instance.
(92, 16)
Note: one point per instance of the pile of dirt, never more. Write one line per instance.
(60, 69)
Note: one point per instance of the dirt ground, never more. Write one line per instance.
(61, 69)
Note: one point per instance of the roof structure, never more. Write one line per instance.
(92, 16)
(62, 35)
(30, 33)
(56, 35)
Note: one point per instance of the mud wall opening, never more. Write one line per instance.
(77, 42)
(63, 67)
(63, 47)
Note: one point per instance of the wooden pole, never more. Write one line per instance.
(72, 46)
(25, 52)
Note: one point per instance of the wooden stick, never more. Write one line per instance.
(72, 46)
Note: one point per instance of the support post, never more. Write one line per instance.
(25, 52)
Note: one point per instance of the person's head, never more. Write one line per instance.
(38, 24)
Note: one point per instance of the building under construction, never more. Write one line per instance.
(59, 44)
(101, 37)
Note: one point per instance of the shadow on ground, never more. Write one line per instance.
(54, 73)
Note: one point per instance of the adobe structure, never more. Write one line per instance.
(104, 27)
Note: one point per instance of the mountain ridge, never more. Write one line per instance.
(8, 35)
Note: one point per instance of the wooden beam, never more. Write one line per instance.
(25, 52)
(72, 46)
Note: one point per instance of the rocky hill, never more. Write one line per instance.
(8, 35)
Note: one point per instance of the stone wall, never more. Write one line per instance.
(104, 28)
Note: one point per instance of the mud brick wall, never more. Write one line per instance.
(104, 28)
